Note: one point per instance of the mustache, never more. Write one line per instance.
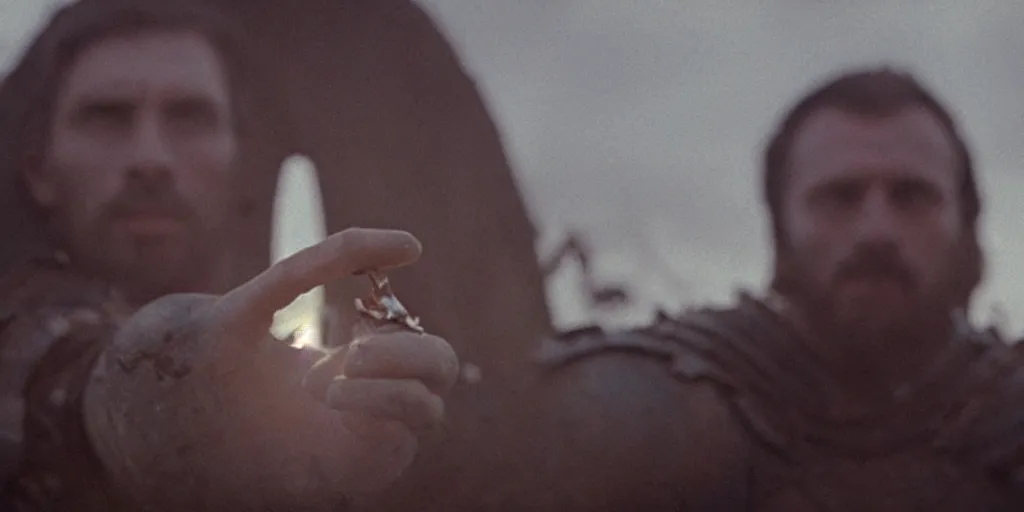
(876, 263)
(146, 200)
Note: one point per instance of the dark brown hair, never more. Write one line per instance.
(28, 93)
(875, 92)
(43, 68)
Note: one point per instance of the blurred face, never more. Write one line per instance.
(872, 221)
(141, 149)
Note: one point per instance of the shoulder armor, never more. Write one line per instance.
(587, 341)
(53, 324)
(736, 348)
(703, 343)
(987, 428)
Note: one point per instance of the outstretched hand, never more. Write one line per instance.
(220, 400)
(389, 384)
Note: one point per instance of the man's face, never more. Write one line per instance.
(872, 220)
(138, 166)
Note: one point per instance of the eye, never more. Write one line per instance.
(105, 115)
(192, 115)
(841, 195)
(911, 194)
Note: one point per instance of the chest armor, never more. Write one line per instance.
(952, 441)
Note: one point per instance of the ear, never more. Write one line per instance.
(40, 185)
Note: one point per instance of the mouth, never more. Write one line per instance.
(149, 225)
(874, 286)
(873, 281)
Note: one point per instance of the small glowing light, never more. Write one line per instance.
(306, 335)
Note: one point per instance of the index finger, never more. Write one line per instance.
(251, 306)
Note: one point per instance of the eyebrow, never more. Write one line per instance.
(87, 100)
(87, 103)
(100, 98)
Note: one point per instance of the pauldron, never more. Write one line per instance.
(57, 323)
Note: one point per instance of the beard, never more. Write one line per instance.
(898, 310)
(144, 269)
(142, 266)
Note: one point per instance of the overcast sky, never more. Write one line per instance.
(641, 122)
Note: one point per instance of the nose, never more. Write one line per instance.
(151, 157)
(878, 220)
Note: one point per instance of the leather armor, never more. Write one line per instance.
(952, 441)
(55, 324)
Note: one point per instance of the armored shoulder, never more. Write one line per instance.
(745, 351)
(54, 324)
(630, 432)
(735, 347)
(986, 430)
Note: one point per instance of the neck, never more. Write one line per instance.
(872, 367)
(139, 298)
(208, 279)
(863, 378)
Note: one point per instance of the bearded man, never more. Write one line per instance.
(133, 374)
(854, 383)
